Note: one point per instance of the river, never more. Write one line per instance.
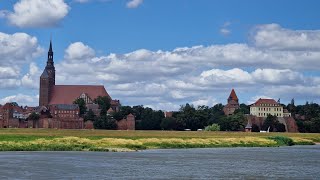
(296, 162)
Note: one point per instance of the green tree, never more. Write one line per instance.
(270, 121)
(215, 114)
(255, 128)
(34, 117)
(90, 116)
(213, 127)
(104, 103)
(168, 123)
(150, 119)
(187, 118)
(232, 123)
(315, 128)
(118, 115)
(82, 106)
(245, 109)
(105, 122)
(137, 111)
(274, 124)
(280, 127)
(123, 112)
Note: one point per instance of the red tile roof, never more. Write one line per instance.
(7, 106)
(233, 95)
(66, 94)
(265, 101)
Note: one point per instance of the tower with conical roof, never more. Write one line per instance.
(47, 79)
(233, 103)
(233, 97)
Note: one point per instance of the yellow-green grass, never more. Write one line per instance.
(108, 140)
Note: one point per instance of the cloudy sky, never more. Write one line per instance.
(164, 53)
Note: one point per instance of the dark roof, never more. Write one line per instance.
(265, 101)
(66, 106)
(66, 94)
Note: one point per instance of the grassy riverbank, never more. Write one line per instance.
(101, 140)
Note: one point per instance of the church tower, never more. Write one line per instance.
(47, 80)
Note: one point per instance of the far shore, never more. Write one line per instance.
(117, 141)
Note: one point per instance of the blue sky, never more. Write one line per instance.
(164, 53)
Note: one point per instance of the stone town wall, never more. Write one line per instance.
(88, 125)
(13, 123)
(56, 123)
(291, 125)
(127, 123)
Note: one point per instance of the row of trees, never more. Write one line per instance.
(193, 118)
(307, 116)
(188, 117)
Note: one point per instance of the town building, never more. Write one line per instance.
(233, 103)
(59, 99)
(264, 107)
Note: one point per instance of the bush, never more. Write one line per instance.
(282, 140)
(168, 123)
(213, 127)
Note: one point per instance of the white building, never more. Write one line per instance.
(263, 107)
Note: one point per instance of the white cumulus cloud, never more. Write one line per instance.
(79, 51)
(21, 99)
(31, 79)
(273, 36)
(38, 13)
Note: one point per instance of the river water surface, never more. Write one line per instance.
(296, 162)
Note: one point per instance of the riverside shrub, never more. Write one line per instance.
(282, 140)
(213, 127)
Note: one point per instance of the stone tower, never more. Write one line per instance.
(47, 80)
(233, 103)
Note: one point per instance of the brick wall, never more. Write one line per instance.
(127, 123)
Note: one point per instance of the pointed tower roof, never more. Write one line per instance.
(233, 95)
(50, 47)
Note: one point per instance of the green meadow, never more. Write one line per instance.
(110, 140)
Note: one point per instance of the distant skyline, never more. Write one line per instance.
(164, 53)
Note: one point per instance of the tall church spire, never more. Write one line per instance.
(50, 48)
(47, 79)
(50, 62)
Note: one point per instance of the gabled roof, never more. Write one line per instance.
(66, 94)
(265, 101)
(233, 95)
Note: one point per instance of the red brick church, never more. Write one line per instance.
(58, 100)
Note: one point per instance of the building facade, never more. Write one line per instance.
(264, 107)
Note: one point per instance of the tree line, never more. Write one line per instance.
(189, 117)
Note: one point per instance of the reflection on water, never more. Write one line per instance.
(297, 162)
